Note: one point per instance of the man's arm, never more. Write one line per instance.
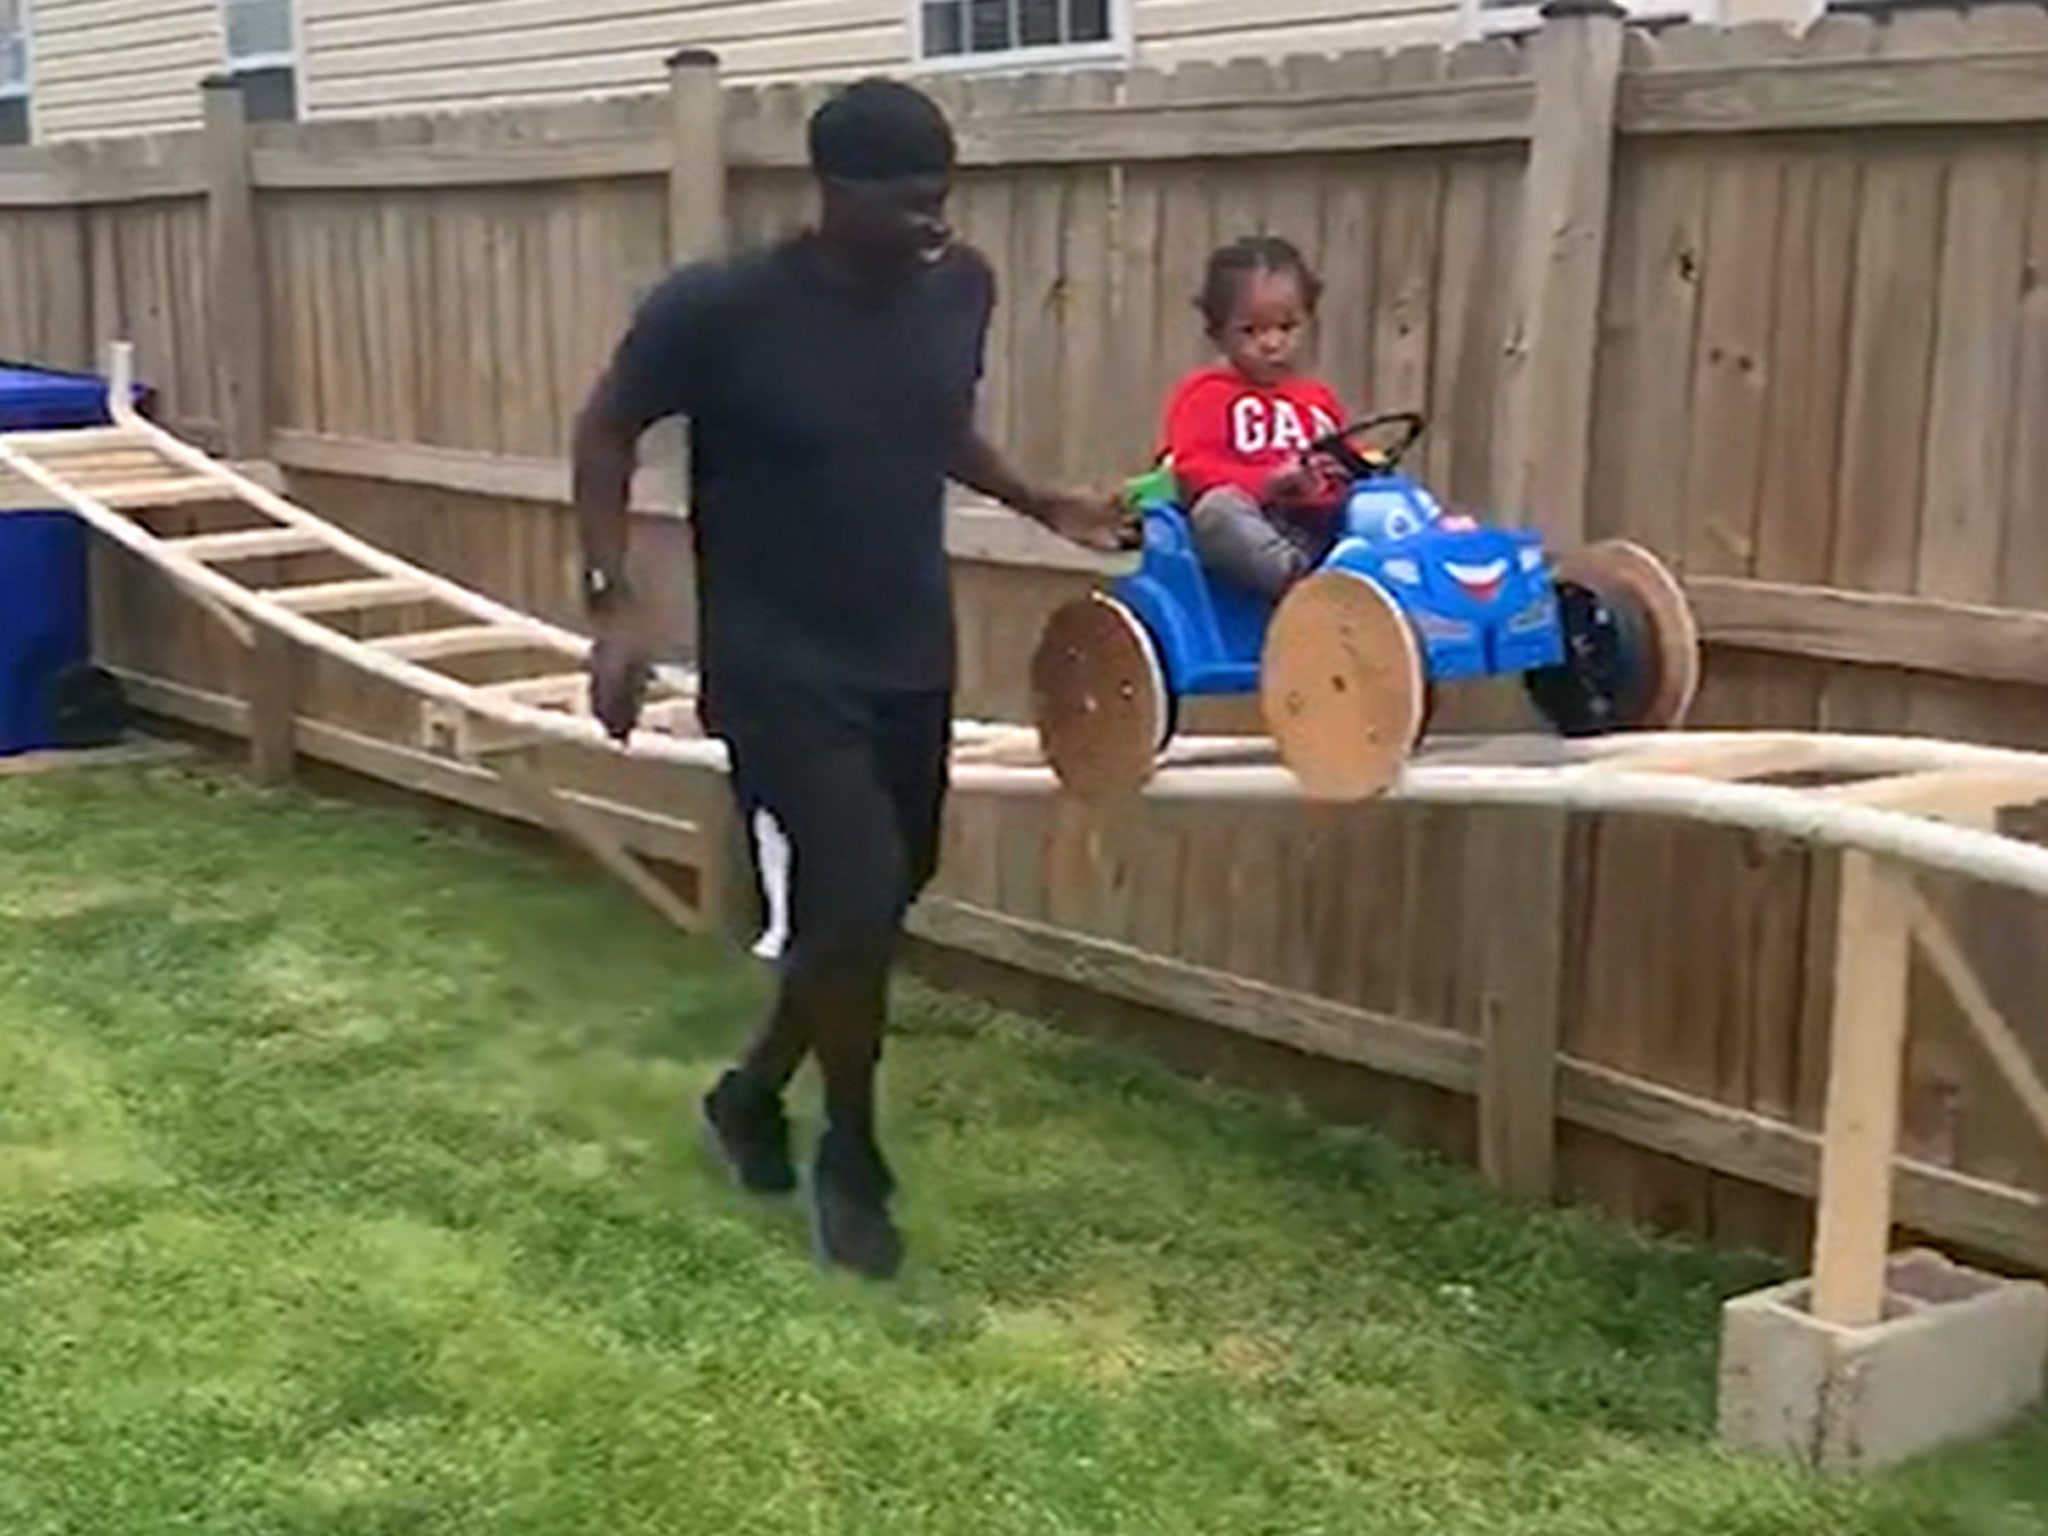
(603, 455)
(653, 374)
(978, 466)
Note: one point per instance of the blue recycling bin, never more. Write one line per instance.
(50, 694)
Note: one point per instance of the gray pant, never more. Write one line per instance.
(1243, 542)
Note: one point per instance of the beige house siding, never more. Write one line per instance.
(119, 66)
(1170, 32)
(393, 55)
(124, 66)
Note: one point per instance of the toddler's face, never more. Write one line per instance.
(1264, 335)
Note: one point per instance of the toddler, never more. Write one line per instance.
(1262, 507)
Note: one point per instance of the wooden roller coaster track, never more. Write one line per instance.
(1891, 804)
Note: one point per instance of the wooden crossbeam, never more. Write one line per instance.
(66, 445)
(1726, 761)
(457, 640)
(568, 690)
(1972, 795)
(247, 544)
(2000, 1042)
(139, 495)
(595, 838)
(350, 596)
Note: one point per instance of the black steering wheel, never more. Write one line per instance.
(1363, 461)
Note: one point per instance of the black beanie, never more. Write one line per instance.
(878, 130)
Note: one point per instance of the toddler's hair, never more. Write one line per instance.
(1229, 265)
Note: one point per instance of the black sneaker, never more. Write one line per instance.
(850, 1191)
(749, 1132)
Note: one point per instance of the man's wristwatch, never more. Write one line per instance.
(602, 589)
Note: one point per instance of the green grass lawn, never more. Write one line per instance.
(349, 1184)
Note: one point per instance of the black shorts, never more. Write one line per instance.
(842, 798)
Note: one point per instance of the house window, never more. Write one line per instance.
(1493, 18)
(15, 124)
(1016, 31)
(263, 57)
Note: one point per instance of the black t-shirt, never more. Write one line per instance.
(823, 422)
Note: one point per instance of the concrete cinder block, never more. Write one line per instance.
(1958, 1355)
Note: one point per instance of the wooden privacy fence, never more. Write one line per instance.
(1772, 303)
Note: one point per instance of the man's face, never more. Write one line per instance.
(890, 225)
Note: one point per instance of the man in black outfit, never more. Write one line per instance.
(830, 385)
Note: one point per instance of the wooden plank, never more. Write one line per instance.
(471, 471)
(596, 154)
(596, 837)
(1547, 398)
(133, 754)
(649, 833)
(1975, 89)
(1966, 640)
(459, 640)
(1315, 1025)
(247, 544)
(1868, 1057)
(1216, 123)
(1735, 1142)
(2014, 1062)
(1475, 111)
(1743, 1144)
(158, 167)
(353, 596)
(1973, 796)
(976, 531)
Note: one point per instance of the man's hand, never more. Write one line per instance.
(1102, 523)
(621, 665)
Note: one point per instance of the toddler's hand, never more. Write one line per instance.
(1292, 485)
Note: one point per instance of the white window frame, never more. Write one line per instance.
(26, 89)
(1116, 50)
(245, 63)
(1480, 19)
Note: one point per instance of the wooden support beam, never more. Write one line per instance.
(274, 663)
(234, 272)
(1998, 1038)
(1867, 1056)
(597, 839)
(1973, 796)
(1729, 761)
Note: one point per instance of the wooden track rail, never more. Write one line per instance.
(1892, 806)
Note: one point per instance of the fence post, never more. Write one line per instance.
(234, 271)
(698, 231)
(241, 390)
(1540, 473)
(696, 177)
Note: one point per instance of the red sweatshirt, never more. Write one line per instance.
(1222, 429)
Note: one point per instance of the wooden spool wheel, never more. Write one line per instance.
(1099, 699)
(1342, 687)
(1632, 647)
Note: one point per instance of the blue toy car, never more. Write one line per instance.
(1407, 597)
